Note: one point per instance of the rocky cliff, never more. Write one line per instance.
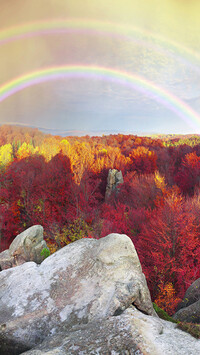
(90, 297)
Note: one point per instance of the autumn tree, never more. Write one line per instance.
(56, 190)
(19, 192)
(168, 246)
(49, 148)
(81, 157)
(114, 219)
(166, 298)
(87, 195)
(139, 190)
(6, 154)
(188, 175)
(142, 160)
(26, 150)
(36, 192)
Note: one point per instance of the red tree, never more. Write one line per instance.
(169, 247)
(188, 176)
(36, 192)
(143, 160)
(19, 193)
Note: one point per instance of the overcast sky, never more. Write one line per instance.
(157, 41)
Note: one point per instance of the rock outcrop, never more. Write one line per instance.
(85, 281)
(189, 309)
(131, 333)
(114, 179)
(27, 246)
(90, 297)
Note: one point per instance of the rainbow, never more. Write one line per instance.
(129, 33)
(135, 82)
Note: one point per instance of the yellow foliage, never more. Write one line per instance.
(81, 158)
(65, 147)
(6, 154)
(103, 151)
(49, 148)
(26, 150)
(159, 181)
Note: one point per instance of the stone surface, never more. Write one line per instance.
(6, 261)
(82, 282)
(190, 314)
(189, 309)
(27, 246)
(114, 179)
(131, 333)
(191, 296)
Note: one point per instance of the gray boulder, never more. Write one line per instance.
(189, 308)
(131, 333)
(190, 314)
(85, 281)
(27, 246)
(114, 179)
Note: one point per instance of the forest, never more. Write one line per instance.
(60, 183)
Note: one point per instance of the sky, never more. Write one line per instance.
(128, 66)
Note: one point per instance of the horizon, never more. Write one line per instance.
(82, 133)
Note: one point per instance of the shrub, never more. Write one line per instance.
(45, 252)
(162, 314)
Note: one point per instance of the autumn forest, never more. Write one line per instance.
(60, 183)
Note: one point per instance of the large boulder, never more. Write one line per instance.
(115, 178)
(189, 308)
(85, 281)
(27, 246)
(129, 333)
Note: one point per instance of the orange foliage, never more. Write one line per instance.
(166, 298)
(192, 160)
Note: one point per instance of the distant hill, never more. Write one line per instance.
(10, 133)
